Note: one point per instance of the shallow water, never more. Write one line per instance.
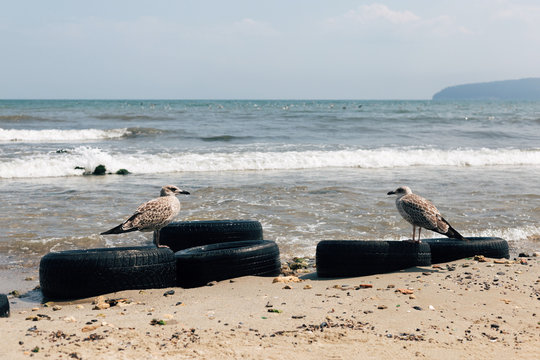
(308, 170)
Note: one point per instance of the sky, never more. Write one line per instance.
(265, 49)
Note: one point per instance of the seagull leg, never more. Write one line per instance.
(413, 233)
(418, 241)
(156, 240)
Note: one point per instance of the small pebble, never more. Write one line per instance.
(168, 293)
(417, 308)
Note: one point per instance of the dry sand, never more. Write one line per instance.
(464, 309)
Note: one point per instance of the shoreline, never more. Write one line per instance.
(460, 309)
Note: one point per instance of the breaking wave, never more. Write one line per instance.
(83, 160)
(54, 135)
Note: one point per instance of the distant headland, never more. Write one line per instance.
(522, 89)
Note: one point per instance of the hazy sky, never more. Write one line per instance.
(275, 49)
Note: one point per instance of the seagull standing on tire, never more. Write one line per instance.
(153, 214)
(422, 214)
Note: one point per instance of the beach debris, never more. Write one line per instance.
(308, 287)
(365, 286)
(536, 254)
(89, 328)
(286, 279)
(56, 308)
(99, 170)
(15, 293)
(269, 304)
(94, 337)
(298, 263)
(436, 266)
(382, 307)
(36, 349)
(38, 317)
(523, 261)
(275, 311)
(503, 261)
(298, 316)
(405, 291)
(168, 293)
(416, 307)
(80, 307)
(480, 258)
(69, 319)
(211, 283)
(157, 322)
(412, 297)
(287, 287)
(506, 301)
(431, 307)
(101, 306)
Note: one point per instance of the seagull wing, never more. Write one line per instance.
(422, 212)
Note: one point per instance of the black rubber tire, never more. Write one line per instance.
(76, 274)
(186, 234)
(349, 258)
(4, 306)
(200, 265)
(445, 250)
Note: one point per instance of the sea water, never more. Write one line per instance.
(307, 170)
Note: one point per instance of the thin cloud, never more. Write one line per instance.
(375, 13)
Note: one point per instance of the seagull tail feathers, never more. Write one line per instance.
(118, 230)
(452, 233)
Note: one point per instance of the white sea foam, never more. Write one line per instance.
(56, 135)
(47, 165)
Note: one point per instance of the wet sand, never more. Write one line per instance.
(463, 309)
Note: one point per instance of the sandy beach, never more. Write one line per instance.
(463, 309)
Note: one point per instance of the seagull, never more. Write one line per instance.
(153, 214)
(422, 214)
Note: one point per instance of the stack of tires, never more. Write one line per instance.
(346, 258)
(198, 252)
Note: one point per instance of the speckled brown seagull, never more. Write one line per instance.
(422, 214)
(153, 214)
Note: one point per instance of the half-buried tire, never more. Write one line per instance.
(200, 265)
(82, 273)
(444, 249)
(186, 234)
(4, 306)
(348, 258)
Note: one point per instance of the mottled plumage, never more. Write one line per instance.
(153, 214)
(422, 213)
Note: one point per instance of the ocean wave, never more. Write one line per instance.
(224, 138)
(56, 135)
(83, 160)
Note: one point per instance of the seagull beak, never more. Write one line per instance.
(183, 192)
(391, 193)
